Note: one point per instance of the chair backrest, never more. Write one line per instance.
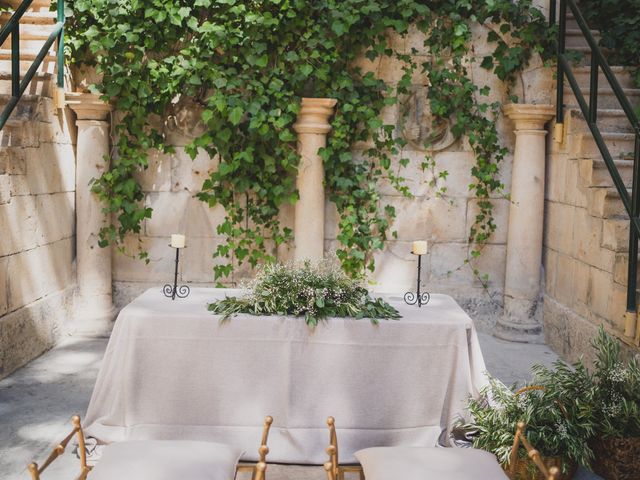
(332, 467)
(335, 472)
(59, 449)
(520, 438)
(264, 449)
(259, 474)
(258, 470)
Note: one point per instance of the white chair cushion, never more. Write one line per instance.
(429, 463)
(166, 460)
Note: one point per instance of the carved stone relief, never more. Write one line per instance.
(186, 118)
(416, 123)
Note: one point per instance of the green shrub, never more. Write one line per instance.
(608, 397)
(549, 428)
(619, 24)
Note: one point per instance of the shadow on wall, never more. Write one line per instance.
(37, 246)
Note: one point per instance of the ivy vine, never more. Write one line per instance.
(619, 24)
(248, 63)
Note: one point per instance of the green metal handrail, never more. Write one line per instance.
(631, 201)
(12, 27)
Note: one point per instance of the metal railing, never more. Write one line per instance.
(12, 27)
(631, 201)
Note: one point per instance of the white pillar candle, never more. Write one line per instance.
(419, 248)
(178, 240)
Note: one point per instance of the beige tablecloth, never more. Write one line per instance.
(172, 370)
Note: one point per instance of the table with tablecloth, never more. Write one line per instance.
(172, 370)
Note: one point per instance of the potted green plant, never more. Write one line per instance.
(608, 399)
(550, 429)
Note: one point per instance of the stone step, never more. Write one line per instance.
(571, 24)
(580, 55)
(31, 32)
(596, 174)
(615, 237)
(605, 202)
(48, 65)
(35, 4)
(620, 269)
(41, 84)
(606, 97)
(615, 234)
(26, 109)
(622, 74)
(575, 37)
(32, 18)
(609, 120)
(620, 146)
(28, 43)
(26, 55)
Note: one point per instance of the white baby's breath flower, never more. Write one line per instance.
(619, 373)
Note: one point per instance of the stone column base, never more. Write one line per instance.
(518, 332)
(521, 321)
(94, 317)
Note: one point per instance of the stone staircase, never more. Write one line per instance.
(35, 27)
(24, 129)
(583, 204)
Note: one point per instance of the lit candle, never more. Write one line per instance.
(178, 240)
(419, 248)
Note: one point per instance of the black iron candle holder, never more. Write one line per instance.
(174, 290)
(421, 298)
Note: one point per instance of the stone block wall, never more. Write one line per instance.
(171, 182)
(585, 245)
(37, 228)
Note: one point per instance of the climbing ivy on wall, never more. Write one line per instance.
(619, 24)
(248, 63)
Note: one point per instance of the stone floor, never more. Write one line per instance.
(37, 401)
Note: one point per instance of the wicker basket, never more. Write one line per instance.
(526, 470)
(617, 458)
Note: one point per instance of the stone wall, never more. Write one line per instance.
(37, 228)
(171, 182)
(586, 241)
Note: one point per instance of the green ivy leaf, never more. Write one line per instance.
(235, 116)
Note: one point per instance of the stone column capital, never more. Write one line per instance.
(314, 115)
(528, 116)
(88, 106)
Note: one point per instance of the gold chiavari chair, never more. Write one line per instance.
(335, 471)
(257, 470)
(59, 449)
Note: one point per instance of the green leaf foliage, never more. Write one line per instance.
(247, 64)
(619, 25)
(312, 291)
(549, 427)
(607, 397)
(568, 407)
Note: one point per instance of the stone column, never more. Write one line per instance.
(521, 321)
(312, 127)
(94, 306)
